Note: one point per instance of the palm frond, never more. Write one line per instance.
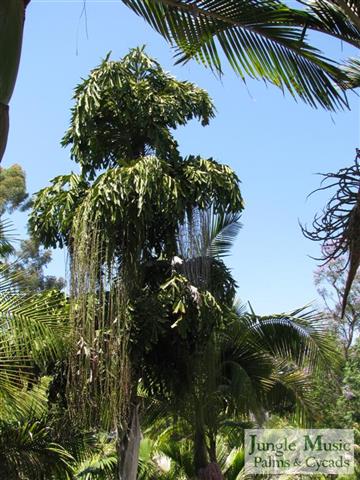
(299, 336)
(267, 361)
(27, 451)
(352, 69)
(34, 325)
(291, 386)
(340, 18)
(260, 39)
(6, 238)
(98, 466)
(223, 230)
(33, 331)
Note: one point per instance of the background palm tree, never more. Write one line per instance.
(33, 335)
(247, 365)
(28, 452)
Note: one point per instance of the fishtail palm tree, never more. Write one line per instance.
(248, 364)
(120, 219)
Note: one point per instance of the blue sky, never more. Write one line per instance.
(274, 144)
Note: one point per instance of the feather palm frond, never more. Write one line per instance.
(27, 451)
(260, 39)
(223, 230)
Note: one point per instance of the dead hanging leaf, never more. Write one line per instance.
(338, 225)
(353, 234)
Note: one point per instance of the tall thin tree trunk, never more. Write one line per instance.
(12, 17)
(211, 472)
(212, 447)
(205, 470)
(200, 448)
(128, 447)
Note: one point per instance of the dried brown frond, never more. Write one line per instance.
(338, 225)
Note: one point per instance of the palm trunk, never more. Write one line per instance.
(200, 450)
(12, 16)
(200, 447)
(128, 448)
(211, 472)
(205, 469)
